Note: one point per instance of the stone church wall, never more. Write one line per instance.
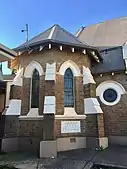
(115, 116)
(54, 88)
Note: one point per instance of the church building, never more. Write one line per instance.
(69, 91)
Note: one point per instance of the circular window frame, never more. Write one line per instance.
(110, 103)
(109, 84)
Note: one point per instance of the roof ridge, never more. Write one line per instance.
(54, 32)
(78, 32)
(42, 32)
(101, 22)
(70, 34)
(51, 32)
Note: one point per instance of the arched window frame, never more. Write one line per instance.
(72, 65)
(73, 88)
(31, 89)
(29, 72)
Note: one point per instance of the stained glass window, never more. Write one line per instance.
(68, 89)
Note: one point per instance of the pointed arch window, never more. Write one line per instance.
(68, 88)
(35, 89)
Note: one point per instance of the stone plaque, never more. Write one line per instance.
(70, 127)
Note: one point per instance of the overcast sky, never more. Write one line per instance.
(41, 14)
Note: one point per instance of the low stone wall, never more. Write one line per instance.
(9, 138)
(20, 135)
(70, 143)
(30, 134)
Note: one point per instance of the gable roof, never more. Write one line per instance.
(110, 33)
(54, 34)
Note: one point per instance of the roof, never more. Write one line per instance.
(112, 57)
(6, 53)
(54, 34)
(109, 33)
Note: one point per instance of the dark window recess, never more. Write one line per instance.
(72, 140)
(68, 89)
(110, 95)
(35, 89)
(11, 92)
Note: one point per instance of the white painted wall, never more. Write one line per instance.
(9, 83)
(50, 71)
(49, 104)
(92, 106)
(18, 81)
(87, 76)
(33, 112)
(14, 107)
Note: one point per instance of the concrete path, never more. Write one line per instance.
(78, 159)
(113, 156)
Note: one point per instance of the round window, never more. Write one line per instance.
(110, 95)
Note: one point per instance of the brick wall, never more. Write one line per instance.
(94, 122)
(30, 133)
(41, 95)
(25, 105)
(54, 88)
(79, 95)
(10, 126)
(91, 126)
(59, 93)
(115, 117)
(30, 128)
(49, 56)
(89, 90)
(49, 89)
(27, 129)
(48, 127)
(120, 77)
(16, 92)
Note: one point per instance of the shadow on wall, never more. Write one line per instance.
(2, 122)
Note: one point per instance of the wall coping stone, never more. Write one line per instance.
(62, 117)
(31, 118)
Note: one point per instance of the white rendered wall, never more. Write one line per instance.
(92, 106)
(14, 107)
(8, 92)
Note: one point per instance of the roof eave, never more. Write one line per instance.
(81, 46)
(7, 50)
